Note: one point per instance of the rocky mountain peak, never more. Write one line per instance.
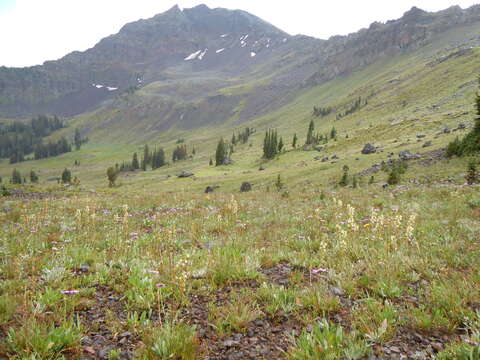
(414, 14)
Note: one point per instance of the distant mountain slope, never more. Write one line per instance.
(203, 66)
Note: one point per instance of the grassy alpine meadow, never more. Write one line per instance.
(334, 253)
(366, 273)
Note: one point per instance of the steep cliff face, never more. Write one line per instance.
(218, 48)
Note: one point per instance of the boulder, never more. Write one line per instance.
(369, 149)
(420, 136)
(246, 187)
(211, 189)
(185, 174)
(427, 144)
(405, 155)
(461, 126)
(261, 168)
(227, 161)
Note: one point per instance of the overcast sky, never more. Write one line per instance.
(33, 31)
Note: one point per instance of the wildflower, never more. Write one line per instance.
(319, 270)
(160, 285)
(70, 292)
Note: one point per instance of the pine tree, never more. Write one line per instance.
(234, 139)
(333, 133)
(280, 145)
(210, 162)
(372, 180)
(310, 136)
(471, 142)
(33, 177)
(135, 164)
(344, 180)
(77, 139)
(194, 151)
(354, 182)
(279, 183)
(158, 158)
(394, 176)
(270, 144)
(146, 156)
(16, 177)
(66, 176)
(112, 175)
(472, 173)
(294, 141)
(221, 153)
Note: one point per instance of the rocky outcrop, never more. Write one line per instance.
(369, 149)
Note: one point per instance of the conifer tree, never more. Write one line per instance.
(221, 153)
(16, 177)
(294, 141)
(333, 133)
(279, 183)
(112, 175)
(210, 162)
(158, 158)
(472, 173)
(77, 139)
(280, 145)
(66, 176)
(310, 136)
(33, 177)
(146, 156)
(471, 142)
(135, 164)
(344, 179)
(270, 144)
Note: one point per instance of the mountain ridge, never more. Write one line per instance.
(229, 44)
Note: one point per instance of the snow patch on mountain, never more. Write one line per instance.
(193, 56)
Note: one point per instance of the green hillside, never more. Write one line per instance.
(420, 93)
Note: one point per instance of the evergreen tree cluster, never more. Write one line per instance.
(357, 105)
(78, 139)
(272, 145)
(18, 139)
(43, 151)
(470, 144)
(242, 137)
(322, 111)
(155, 159)
(316, 138)
(180, 153)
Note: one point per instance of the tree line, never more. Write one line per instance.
(19, 139)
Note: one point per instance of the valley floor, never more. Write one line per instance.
(366, 273)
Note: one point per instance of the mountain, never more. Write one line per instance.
(196, 56)
(175, 43)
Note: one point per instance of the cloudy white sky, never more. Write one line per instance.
(33, 31)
